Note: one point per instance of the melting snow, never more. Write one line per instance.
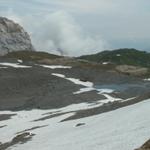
(79, 82)
(102, 91)
(82, 90)
(20, 61)
(147, 79)
(123, 129)
(58, 75)
(118, 55)
(3, 67)
(89, 86)
(56, 66)
(75, 81)
(14, 65)
(105, 63)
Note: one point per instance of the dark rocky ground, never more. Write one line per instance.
(37, 88)
(19, 139)
(29, 88)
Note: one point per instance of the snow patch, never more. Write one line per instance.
(118, 55)
(75, 81)
(56, 66)
(58, 75)
(79, 82)
(89, 86)
(147, 79)
(105, 63)
(20, 61)
(102, 91)
(14, 65)
(83, 90)
(3, 67)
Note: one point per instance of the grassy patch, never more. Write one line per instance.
(31, 55)
(120, 57)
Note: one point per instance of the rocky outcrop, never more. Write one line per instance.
(145, 146)
(132, 70)
(13, 37)
(19, 139)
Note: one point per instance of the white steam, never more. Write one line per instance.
(59, 33)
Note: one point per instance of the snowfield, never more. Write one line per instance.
(123, 129)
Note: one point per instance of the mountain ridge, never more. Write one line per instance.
(120, 56)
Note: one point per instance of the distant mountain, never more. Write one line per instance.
(13, 37)
(121, 57)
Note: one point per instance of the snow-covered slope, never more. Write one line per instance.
(123, 129)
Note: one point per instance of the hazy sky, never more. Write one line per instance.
(82, 26)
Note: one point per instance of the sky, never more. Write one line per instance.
(77, 27)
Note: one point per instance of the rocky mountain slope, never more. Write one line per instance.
(13, 37)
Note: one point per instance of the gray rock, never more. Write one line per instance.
(132, 70)
(13, 37)
(145, 146)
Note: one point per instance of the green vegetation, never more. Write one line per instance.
(31, 55)
(121, 57)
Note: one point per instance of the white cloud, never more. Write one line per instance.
(117, 21)
(58, 32)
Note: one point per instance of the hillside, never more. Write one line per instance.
(120, 57)
(31, 55)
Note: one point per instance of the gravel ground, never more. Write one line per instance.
(30, 88)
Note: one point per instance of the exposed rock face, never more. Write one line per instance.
(145, 146)
(13, 37)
